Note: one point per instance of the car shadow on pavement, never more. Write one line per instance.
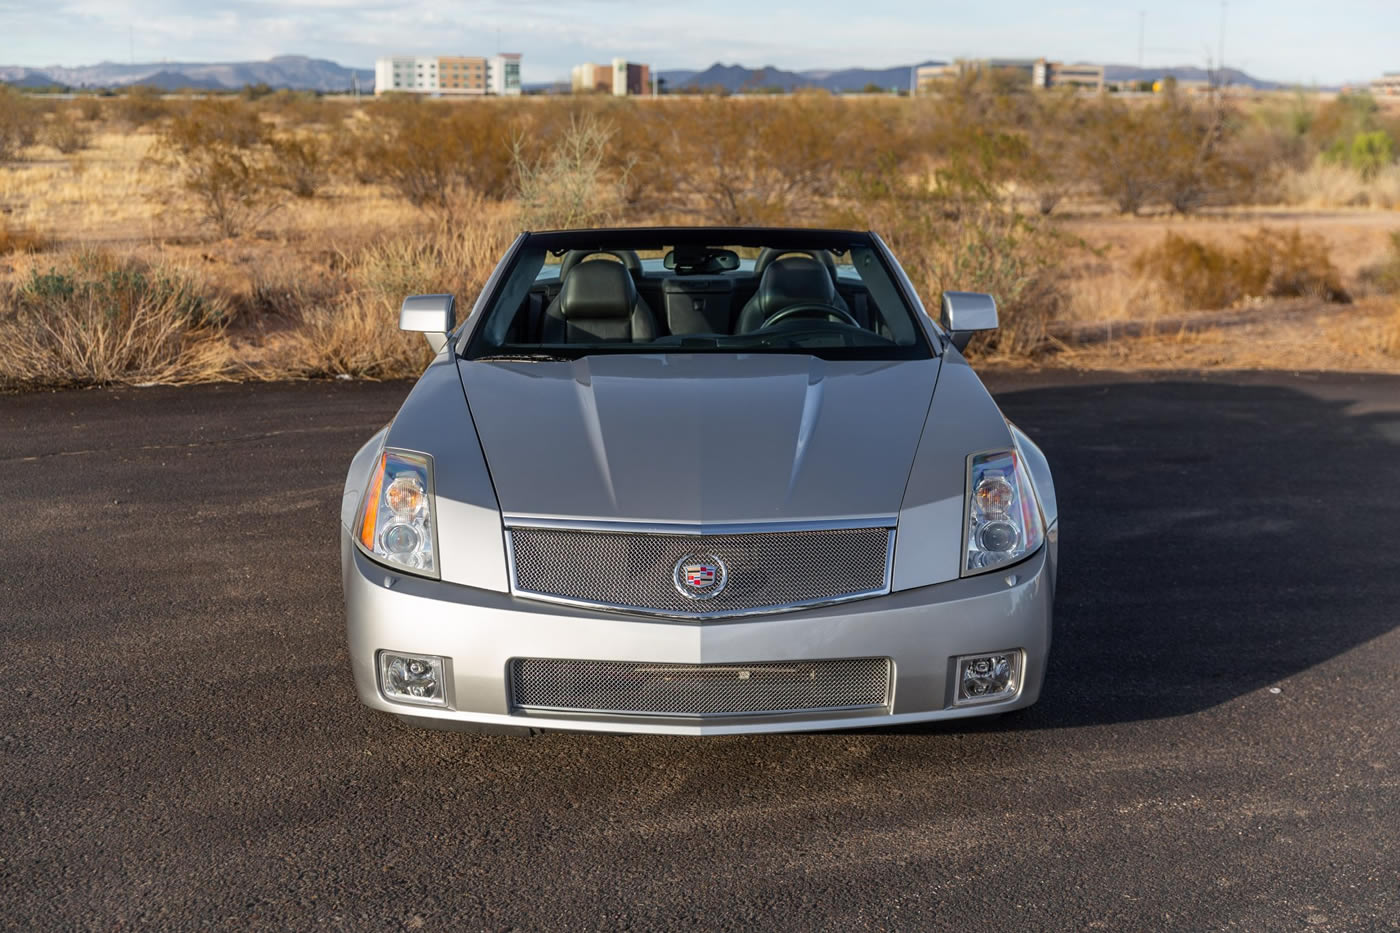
(1214, 540)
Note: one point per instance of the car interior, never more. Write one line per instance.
(613, 296)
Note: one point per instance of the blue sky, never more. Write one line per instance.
(1303, 41)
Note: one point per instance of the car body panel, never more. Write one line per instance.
(700, 438)
(698, 443)
(921, 631)
(436, 420)
(962, 420)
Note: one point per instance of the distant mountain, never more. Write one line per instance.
(1230, 76)
(736, 78)
(295, 72)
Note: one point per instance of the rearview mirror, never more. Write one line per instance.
(701, 260)
(433, 316)
(965, 313)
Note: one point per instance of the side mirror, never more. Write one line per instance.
(433, 316)
(965, 313)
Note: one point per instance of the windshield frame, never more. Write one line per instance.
(470, 343)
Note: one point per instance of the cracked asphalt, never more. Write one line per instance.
(1216, 747)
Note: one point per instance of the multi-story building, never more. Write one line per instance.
(460, 74)
(503, 74)
(592, 79)
(926, 75)
(1036, 71)
(448, 75)
(621, 79)
(1387, 84)
(1058, 74)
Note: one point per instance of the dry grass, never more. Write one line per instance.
(1330, 185)
(312, 289)
(22, 240)
(1265, 264)
(1107, 292)
(96, 319)
(358, 335)
(1364, 337)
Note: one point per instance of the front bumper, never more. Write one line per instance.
(921, 631)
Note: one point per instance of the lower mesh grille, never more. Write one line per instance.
(625, 687)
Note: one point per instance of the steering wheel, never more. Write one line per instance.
(809, 309)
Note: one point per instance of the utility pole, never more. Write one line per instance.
(1220, 56)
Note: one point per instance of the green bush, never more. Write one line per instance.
(1367, 153)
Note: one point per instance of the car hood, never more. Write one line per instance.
(699, 438)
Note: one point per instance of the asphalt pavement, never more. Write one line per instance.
(1216, 746)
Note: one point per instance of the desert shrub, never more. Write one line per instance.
(1268, 263)
(1387, 336)
(215, 122)
(218, 147)
(1384, 276)
(22, 240)
(299, 164)
(300, 108)
(1366, 153)
(19, 123)
(66, 134)
(758, 160)
(141, 105)
(1121, 156)
(1340, 119)
(953, 231)
(567, 186)
(96, 319)
(434, 154)
(1050, 169)
(1171, 151)
(359, 334)
(89, 108)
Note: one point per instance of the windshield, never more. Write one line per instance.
(562, 299)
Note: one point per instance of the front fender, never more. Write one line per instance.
(1034, 459)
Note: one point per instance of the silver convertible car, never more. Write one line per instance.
(698, 481)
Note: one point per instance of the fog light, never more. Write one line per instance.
(411, 678)
(986, 677)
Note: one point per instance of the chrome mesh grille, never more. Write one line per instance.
(764, 570)
(627, 687)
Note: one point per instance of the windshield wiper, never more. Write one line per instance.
(523, 358)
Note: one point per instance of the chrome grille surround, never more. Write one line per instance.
(632, 568)
(635, 688)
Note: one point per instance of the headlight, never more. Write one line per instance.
(1003, 518)
(397, 524)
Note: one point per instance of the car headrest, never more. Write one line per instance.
(574, 256)
(598, 289)
(769, 254)
(794, 279)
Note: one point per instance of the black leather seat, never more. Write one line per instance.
(786, 282)
(598, 302)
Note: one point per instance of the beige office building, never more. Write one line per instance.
(620, 79)
(1057, 74)
(448, 75)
